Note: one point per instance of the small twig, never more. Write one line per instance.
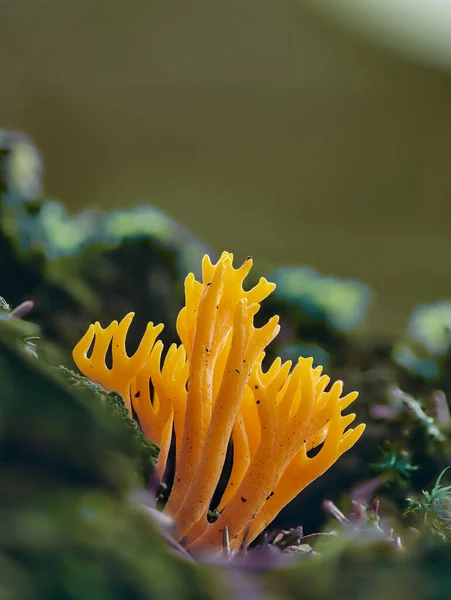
(244, 541)
(22, 310)
(319, 534)
(335, 512)
(441, 407)
(226, 542)
(397, 543)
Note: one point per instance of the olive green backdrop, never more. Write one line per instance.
(253, 122)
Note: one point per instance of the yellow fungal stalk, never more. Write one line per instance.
(212, 389)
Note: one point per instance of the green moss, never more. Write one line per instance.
(68, 466)
(146, 451)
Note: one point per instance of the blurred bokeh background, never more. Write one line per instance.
(303, 133)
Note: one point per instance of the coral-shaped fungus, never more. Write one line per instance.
(212, 389)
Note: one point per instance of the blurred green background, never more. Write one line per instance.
(265, 126)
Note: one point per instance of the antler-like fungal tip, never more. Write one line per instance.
(127, 319)
(348, 419)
